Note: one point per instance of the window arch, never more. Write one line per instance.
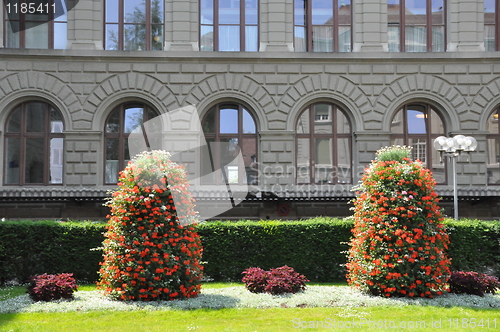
(493, 136)
(323, 145)
(35, 24)
(229, 128)
(34, 144)
(416, 25)
(417, 125)
(229, 25)
(119, 124)
(134, 25)
(322, 25)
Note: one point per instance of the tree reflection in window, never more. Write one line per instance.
(134, 25)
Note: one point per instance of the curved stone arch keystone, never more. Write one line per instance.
(485, 101)
(329, 88)
(424, 88)
(25, 86)
(127, 87)
(236, 88)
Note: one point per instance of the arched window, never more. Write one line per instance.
(493, 166)
(229, 128)
(416, 25)
(322, 25)
(34, 144)
(35, 24)
(491, 25)
(134, 25)
(323, 141)
(229, 25)
(120, 123)
(417, 125)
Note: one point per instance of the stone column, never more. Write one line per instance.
(466, 25)
(85, 25)
(370, 26)
(181, 25)
(276, 25)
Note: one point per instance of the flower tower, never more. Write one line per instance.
(399, 241)
(149, 254)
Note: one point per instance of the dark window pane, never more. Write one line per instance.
(112, 160)
(304, 123)
(416, 121)
(323, 119)
(228, 120)
(493, 166)
(12, 160)
(12, 35)
(14, 14)
(113, 124)
(34, 160)
(134, 11)
(37, 35)
(437, 12)
(134, 37)
(157, 11)
(61, 11)
(248, 123)
(56, 121)
(343, 171)
(14, 125)
(157, 37)
(343, 126)
(133, 118)
(56, 160)
(209, 123)
(303, 161)
(249, 151)
(323, 160)
(397, 124)
(35, 117)
(208, 165)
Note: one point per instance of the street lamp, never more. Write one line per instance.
(453, 147)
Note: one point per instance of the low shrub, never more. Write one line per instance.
(276, 281)
(473, 283)
(49, 287)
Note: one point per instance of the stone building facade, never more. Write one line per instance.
(370, 87)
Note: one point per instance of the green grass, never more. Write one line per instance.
(409, 318)
(296, 319)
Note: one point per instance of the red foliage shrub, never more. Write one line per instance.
(399, 241)
(48, 287)
(276, 281)
(473, 283)
(148, 253)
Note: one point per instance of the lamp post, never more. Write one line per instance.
(453, 147)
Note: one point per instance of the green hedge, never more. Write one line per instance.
(314, 248)
(28, 248)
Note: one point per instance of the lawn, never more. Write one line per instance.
(230, 307)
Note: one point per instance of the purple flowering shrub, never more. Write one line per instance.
(473, 283)
(48, 287)
(276, 281)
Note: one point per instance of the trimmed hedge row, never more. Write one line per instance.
(315, 248)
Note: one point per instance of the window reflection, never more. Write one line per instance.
(134, 25)
(493, 161)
